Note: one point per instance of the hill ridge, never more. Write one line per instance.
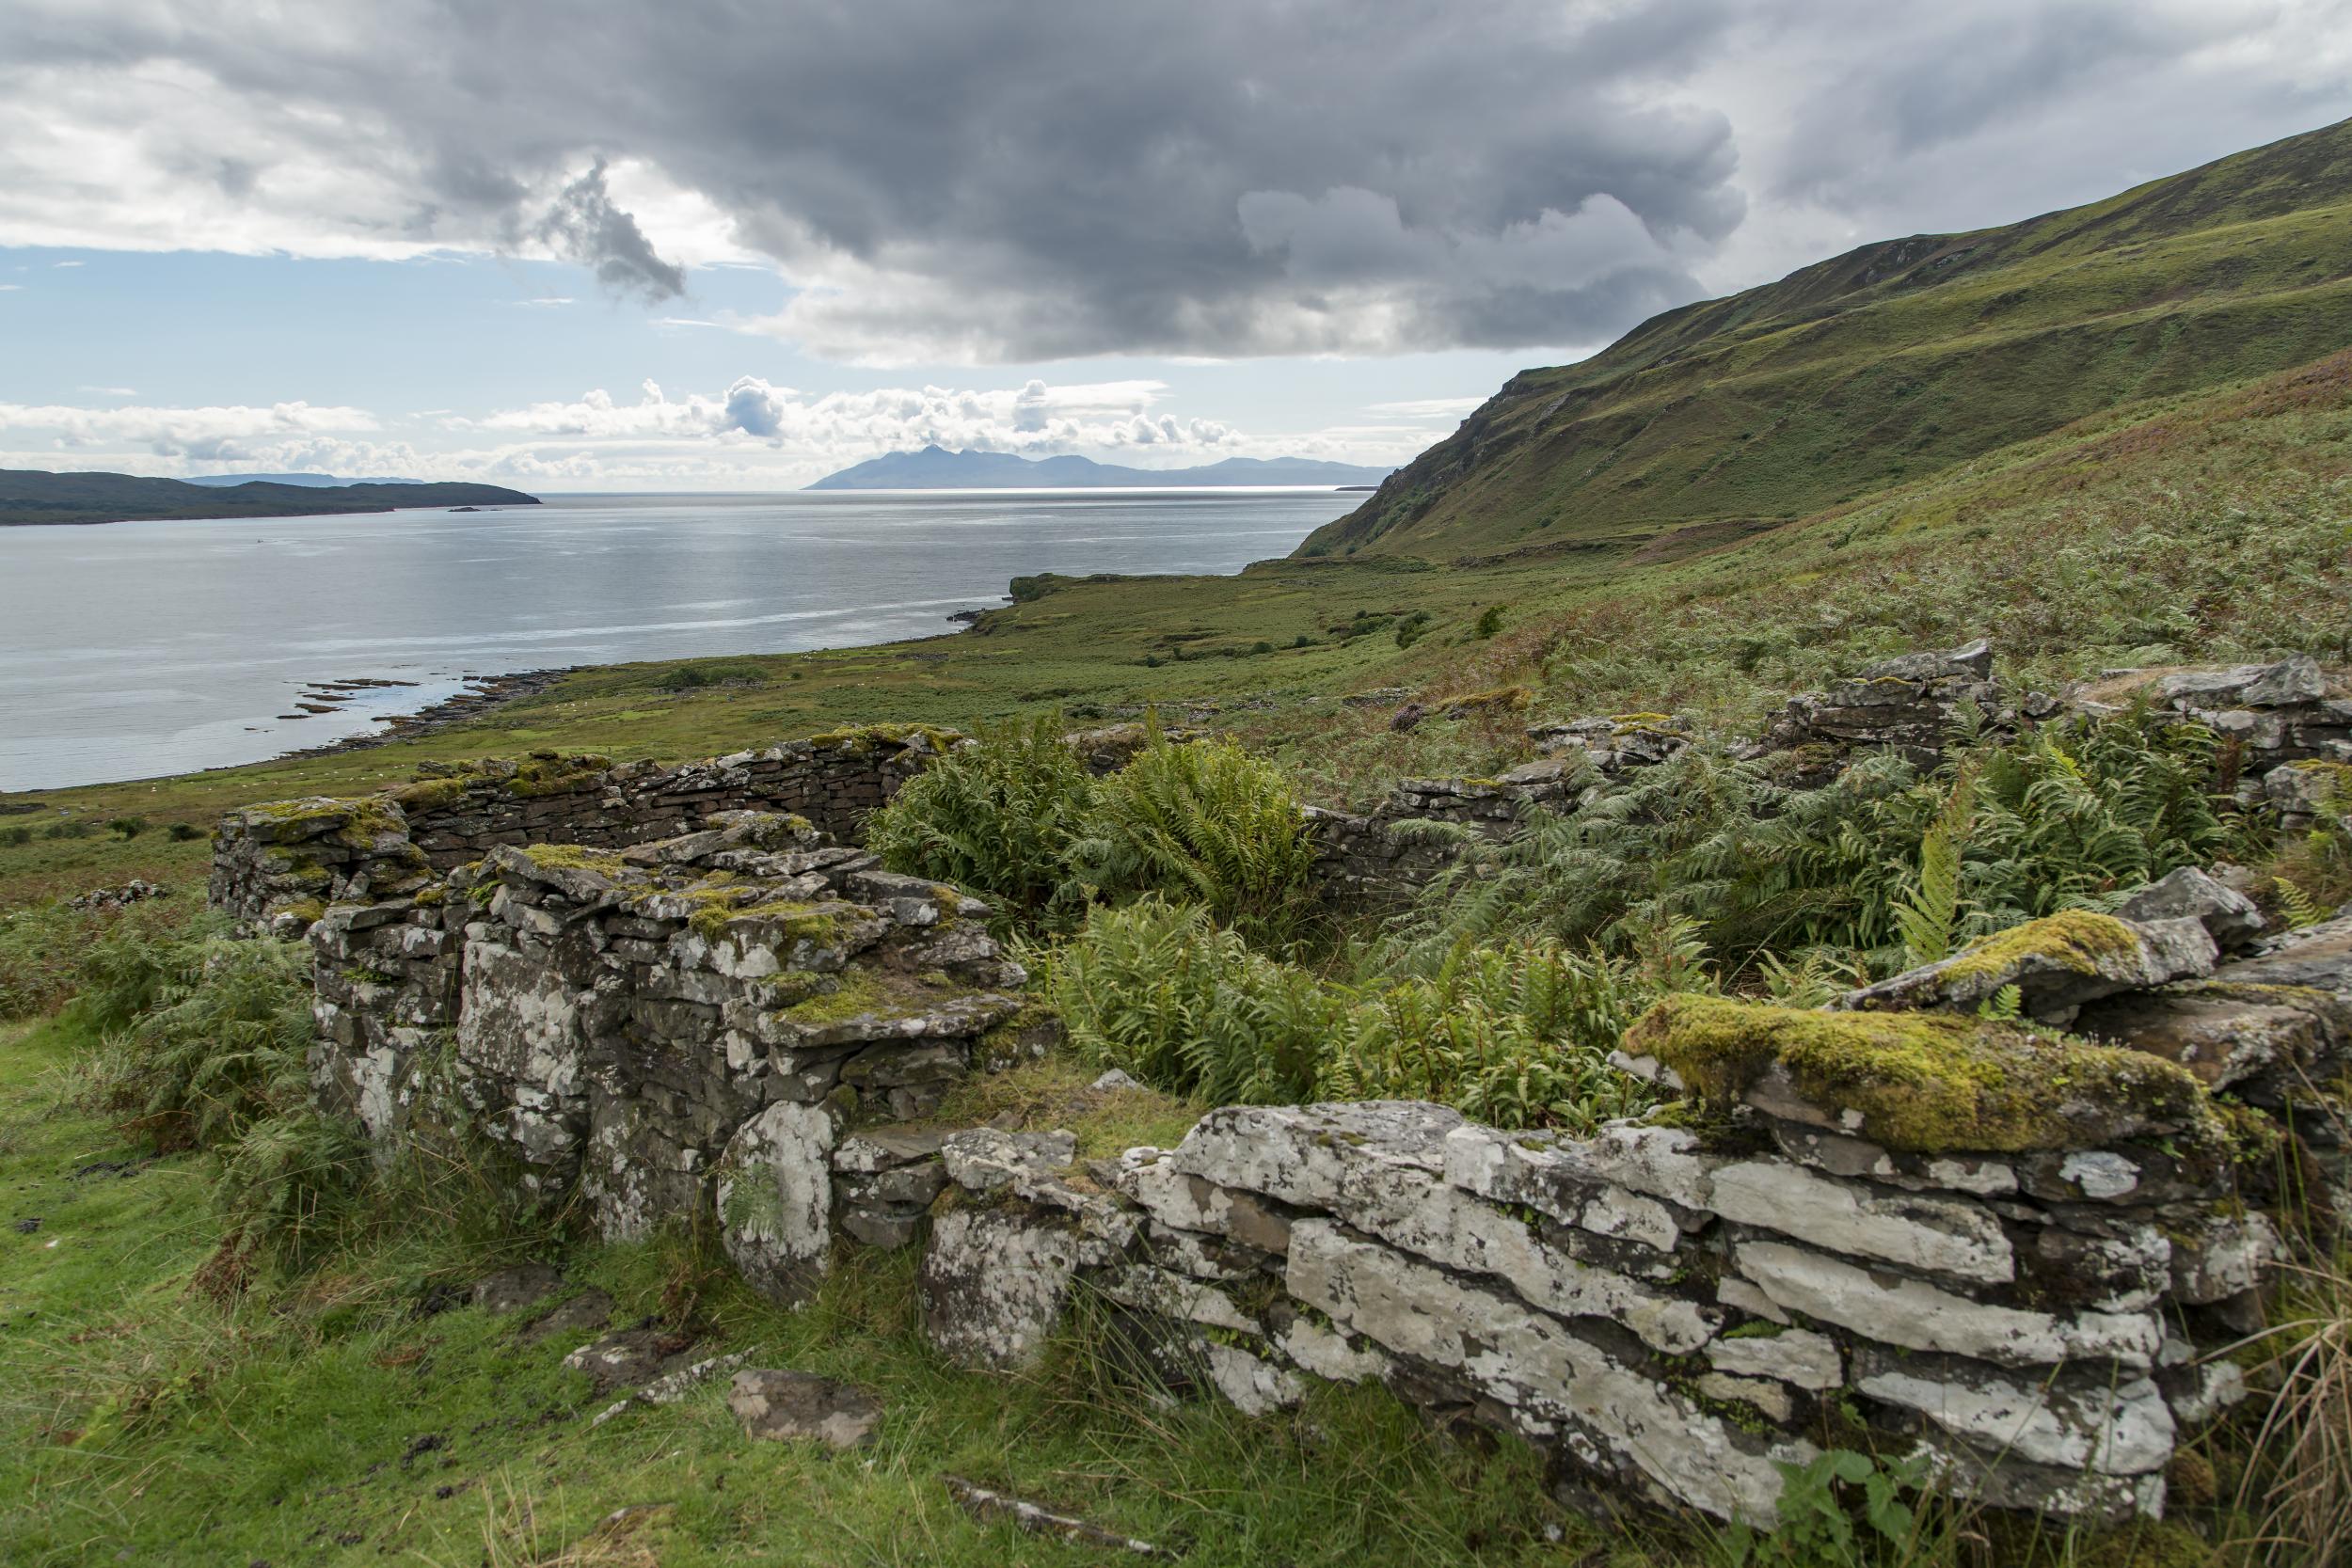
(1891, 359)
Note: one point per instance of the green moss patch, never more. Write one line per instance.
(2073, 939)
(575, 857)
(1928, 1083)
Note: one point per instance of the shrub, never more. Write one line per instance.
(1489, 621)
(16, 838)
(1156, 989)
(184, 833)
(51, 953)
(999, 818)
(1205, 823)
(220, 1043)
(127, 827)
(1516, 1036)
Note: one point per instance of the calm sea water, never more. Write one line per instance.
(133, 649)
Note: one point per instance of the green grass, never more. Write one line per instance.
(140, 1415)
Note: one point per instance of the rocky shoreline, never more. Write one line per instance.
(484, 694)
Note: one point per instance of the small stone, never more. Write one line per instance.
(628, 1358)
(591, 1308)
(2100, 1175)
(1117, 1079)
(1796, 1356)
(785, 1406)
(524, 1285)
(985, 1159)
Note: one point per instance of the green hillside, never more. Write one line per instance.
(1891, 363)
(35, 495)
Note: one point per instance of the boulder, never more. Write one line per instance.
(2057, 963)
(774, 1198)
(789, 1405)
(2228, 915)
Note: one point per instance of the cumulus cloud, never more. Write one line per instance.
(226, 434)
(1028, 179)
(1034, 418)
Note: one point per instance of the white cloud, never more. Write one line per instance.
(11, 288)
(65, 263)
(111, 391)
(549, 302)
(1037, 417)
(225, 434)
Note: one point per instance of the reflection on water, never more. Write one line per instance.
(133, 649)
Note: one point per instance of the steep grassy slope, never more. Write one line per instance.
(1891, 363)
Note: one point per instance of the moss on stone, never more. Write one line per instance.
(574, 857)
(431, 898)
(868, 738)
(817, 923)
(854, 995)
(2073, 939)
(308, 911)
(356, 823)
(1925, 1083)
(432, 794)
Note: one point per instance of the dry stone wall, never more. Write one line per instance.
(2034, 1296)
(279, 865)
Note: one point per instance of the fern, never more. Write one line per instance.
(1928, 915)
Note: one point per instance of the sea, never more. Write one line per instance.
(130, 649)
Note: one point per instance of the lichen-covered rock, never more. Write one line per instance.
(1931, 1234)
(2057, 963)
(984, 1159)
(2073, 1421)
(789, 1405)
(1378, 1167)
(1922, 1082)
(1795, 1356)
(995, 1280)
(774, 1191)
(1549, 1379)
(1920, 1316)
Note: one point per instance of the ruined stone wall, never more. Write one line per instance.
(281, 864)
(1924, 1231)
(1896, 1223)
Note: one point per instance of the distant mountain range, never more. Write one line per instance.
(307, 482)
(33, 496)
(937, 469)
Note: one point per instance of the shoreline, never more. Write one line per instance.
(487, 694)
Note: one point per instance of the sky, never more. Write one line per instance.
(735, 244)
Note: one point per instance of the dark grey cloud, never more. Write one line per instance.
(1023, 180)
(584, 226)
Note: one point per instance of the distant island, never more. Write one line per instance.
(30, 496)
(937, 469)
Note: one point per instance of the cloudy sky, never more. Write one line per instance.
(735, 244)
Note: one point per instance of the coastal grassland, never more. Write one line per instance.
(2186, 528)
(330, 1416)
